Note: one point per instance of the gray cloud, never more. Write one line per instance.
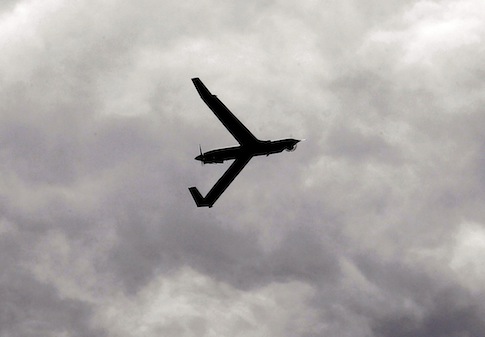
(30, 307)
(357, 233)
(449, 314)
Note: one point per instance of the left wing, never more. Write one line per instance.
(232, 124)
(221, 185)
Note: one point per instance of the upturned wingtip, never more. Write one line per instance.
(198, 198)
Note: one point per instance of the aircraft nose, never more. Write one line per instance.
(199, 157)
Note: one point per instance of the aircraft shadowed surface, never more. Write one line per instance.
(249, 147)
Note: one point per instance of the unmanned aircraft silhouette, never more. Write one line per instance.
(249, 147)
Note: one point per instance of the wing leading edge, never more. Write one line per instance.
(227, 118)
(221, 185)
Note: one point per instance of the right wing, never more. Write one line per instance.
(232, 124)
(221, 185)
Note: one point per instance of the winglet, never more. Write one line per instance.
(201, 88)
(198, 198)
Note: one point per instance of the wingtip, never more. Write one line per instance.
(201, 88)
(198, 198)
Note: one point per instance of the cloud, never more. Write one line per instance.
(187, 303)
(432, 28)
(371, 228)
(29, 306)
(445, 317)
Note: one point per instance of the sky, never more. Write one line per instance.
(373, 227)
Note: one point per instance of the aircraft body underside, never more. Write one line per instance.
(229, 153)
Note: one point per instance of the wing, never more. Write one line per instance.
(221, 185)
(232, 124)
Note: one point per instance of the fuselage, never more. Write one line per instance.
(258, 148)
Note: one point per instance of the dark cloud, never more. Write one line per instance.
(451, 312)
(32, 308)
(355, 233)
(232, 256)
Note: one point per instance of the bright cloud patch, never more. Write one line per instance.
(430, 28)
(188, 303)
(469, 254)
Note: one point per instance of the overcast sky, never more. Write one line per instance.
(373, 227)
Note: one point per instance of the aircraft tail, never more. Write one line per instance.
(198, 198)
